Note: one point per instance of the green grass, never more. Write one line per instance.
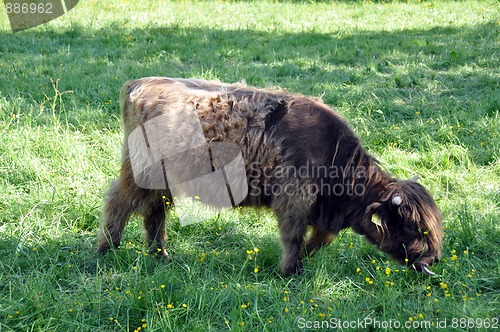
(418, 81)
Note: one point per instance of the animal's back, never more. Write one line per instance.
(233, 112)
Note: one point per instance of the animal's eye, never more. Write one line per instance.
(412, 228)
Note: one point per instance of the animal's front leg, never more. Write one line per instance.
(154, 222)
(292, 231)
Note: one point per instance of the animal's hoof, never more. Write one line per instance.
(292, 269)
(101, 250)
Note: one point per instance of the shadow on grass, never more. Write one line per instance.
(191, 248)
(264, 57)
(222, 245)
(409, 76)
(45, 281)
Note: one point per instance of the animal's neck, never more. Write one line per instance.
(375, 182)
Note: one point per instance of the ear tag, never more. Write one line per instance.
(376, 220)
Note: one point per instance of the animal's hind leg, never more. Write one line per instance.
(117, 211)
(154, 223)
(319, 238)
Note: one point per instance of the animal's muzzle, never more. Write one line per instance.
(420, 267)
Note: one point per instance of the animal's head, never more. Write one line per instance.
(406, 224)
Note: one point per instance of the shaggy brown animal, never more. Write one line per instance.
(301, 159)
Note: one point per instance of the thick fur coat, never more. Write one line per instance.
(301, 159)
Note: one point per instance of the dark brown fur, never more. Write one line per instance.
(278, 134)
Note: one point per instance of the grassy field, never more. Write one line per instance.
(418, 81)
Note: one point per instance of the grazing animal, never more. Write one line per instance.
(300, 158)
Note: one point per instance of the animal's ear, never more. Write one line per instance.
(371, 211)
(376, 219)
